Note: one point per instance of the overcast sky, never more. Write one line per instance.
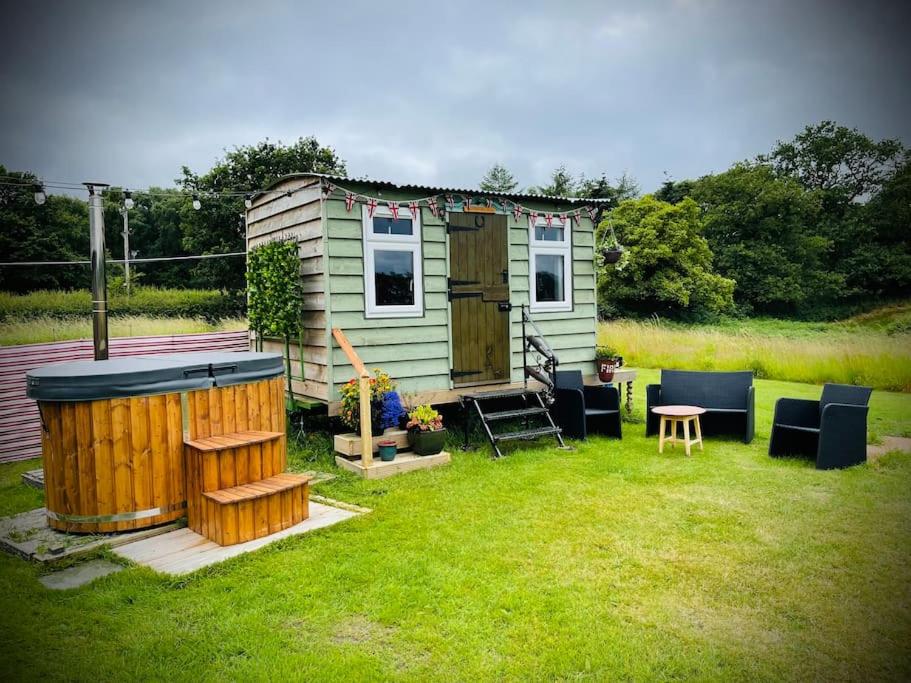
(127, 92)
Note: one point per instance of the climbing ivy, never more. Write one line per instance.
(274, 289)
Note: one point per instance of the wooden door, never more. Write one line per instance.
(479, 293)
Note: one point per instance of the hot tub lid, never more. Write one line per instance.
(237, 367)
(146, 375)
(117, 378)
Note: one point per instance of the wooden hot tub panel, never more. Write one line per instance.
(118, 460)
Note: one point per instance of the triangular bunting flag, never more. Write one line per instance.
(350, 198)
(517, 211)
(432, 205)
(450, 202)
(532, 218)
(394, 208)
(466, 203)
(371, 207)
(549, 219)
(414, 208)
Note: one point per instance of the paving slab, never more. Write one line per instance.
(79, 575)
(28, 536)
(184, 551)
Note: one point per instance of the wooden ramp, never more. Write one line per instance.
(183, 551)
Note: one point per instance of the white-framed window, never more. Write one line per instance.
(550, 269)
(393, 275)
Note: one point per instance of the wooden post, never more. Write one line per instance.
(366, 427)
(363, 391)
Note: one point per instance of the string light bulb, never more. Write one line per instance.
(196, 203)
(128, 202)
(40, 195)
(248, 201)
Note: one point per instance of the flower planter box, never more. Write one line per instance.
(349, 445)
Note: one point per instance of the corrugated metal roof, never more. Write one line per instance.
(430, 189)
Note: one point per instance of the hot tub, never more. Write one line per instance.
(113, 431)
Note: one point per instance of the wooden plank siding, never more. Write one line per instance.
(414, 351)
(299, 216)
(571, 334)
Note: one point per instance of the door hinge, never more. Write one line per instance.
(455, 374)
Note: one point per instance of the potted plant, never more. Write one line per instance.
(391, 411)
(611, 249)
(350, 411)
(387, 450)
(426, 433)
(607, 361)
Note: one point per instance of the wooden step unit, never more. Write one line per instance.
(248, 511)
(237, 489)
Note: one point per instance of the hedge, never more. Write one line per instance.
(186, 303)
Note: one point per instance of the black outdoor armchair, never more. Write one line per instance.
(832, 429)
(727, 397)
(580, 409)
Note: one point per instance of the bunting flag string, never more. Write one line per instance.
(455, 202)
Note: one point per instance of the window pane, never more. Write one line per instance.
(394, 278)
(385, 225)
(551, 234)
(549, 277)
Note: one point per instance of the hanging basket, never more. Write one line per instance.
(612, 255)
(611, 251)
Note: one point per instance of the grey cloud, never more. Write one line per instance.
(128, 92)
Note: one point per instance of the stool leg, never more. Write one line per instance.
(699, 433)
(661, 434)
(686, 435)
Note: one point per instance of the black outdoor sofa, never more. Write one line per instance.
(833, 429)
(727, 397)
(580, 410)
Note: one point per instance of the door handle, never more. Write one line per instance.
(504, 306)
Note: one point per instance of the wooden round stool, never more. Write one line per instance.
(683, 415)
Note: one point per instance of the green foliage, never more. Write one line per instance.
(58, 230)
(274, 292)
(40, 329)
(760, 228)
(425, 418)
(562, 184)
(143, 301)
(499, 179)
(218, 226)
(667, 266)
(837, 160)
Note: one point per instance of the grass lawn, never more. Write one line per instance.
(607, 562)
(50, 328)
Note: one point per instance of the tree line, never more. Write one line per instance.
(816, 226)
(162, 221)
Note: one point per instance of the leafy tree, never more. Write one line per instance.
(672, 191)
(837, 160)
(625, 187)
(57, 230)
(880, 264)
(847, 168)
(218, 226)
(761, 228)
(562, 184)
(667, 265)
(499, 179)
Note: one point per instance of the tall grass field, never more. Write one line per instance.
(873, 349)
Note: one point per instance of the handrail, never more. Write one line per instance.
(353, 358)
(363, 393)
